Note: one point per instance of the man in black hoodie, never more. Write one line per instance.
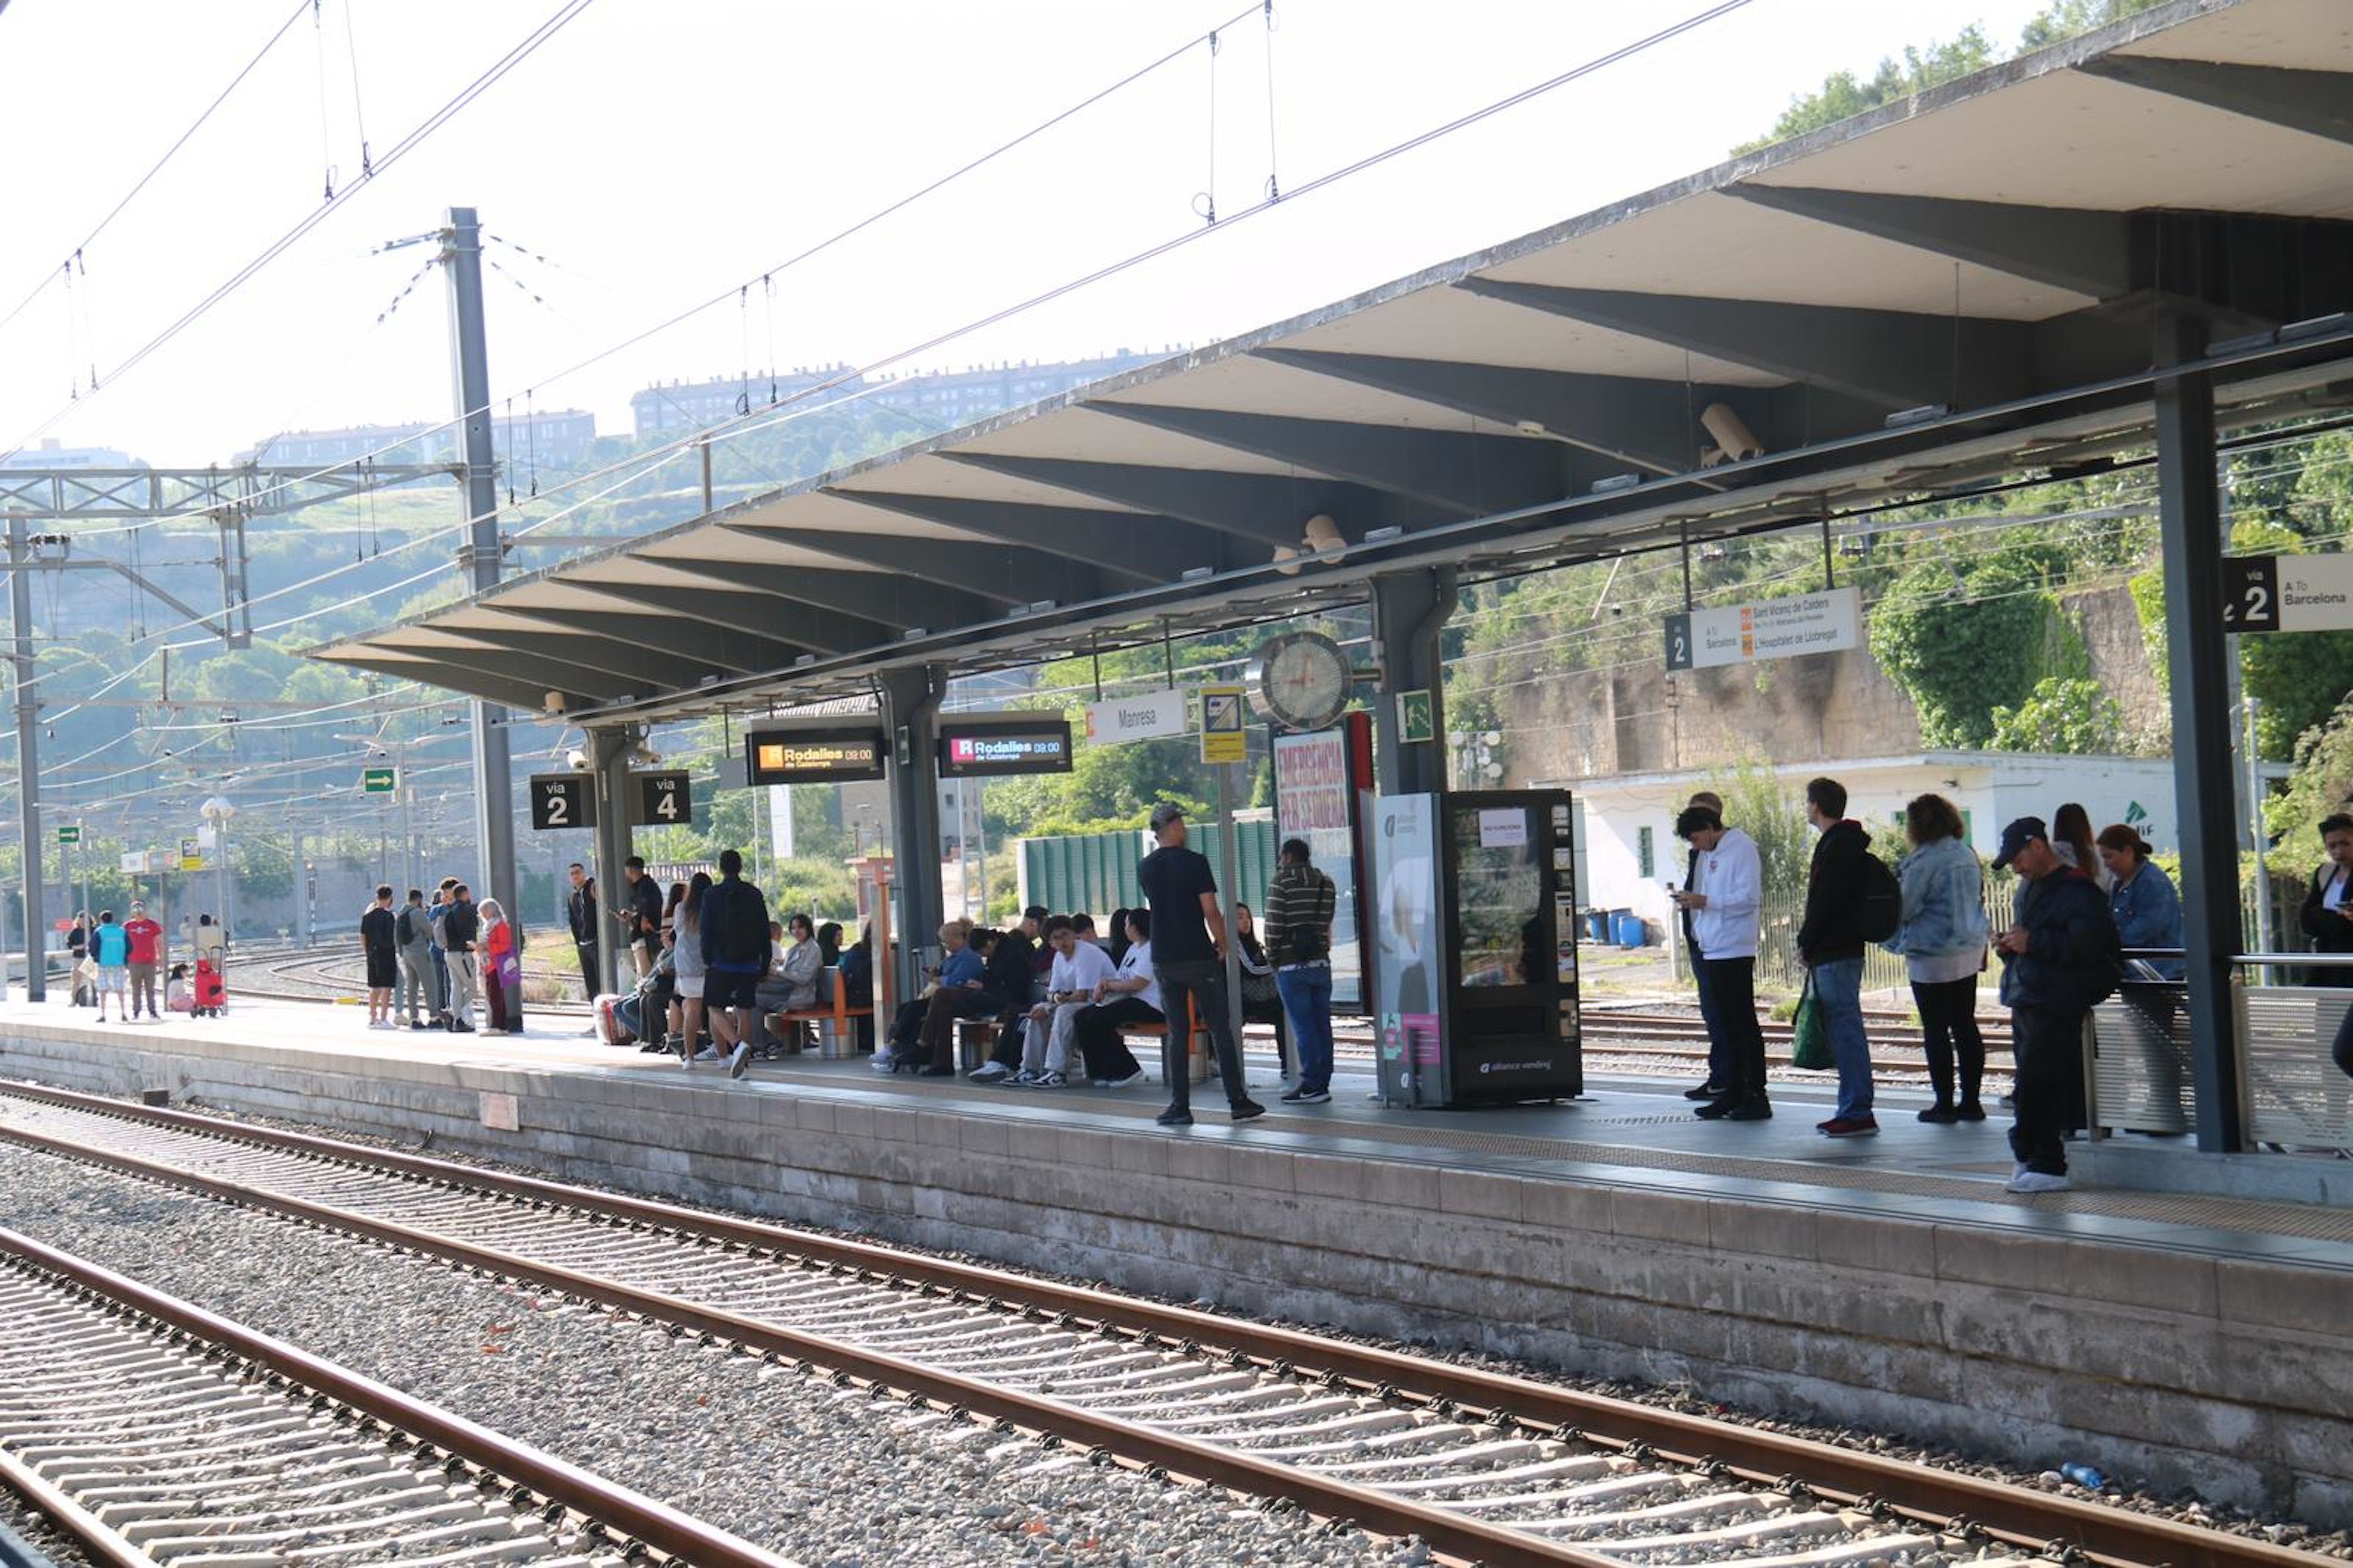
(2059, 962)
(1829, 944)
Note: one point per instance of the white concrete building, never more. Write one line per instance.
(1627, 848)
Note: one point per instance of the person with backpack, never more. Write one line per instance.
(1300, 902)
(109, 947)
(413, 934)
(736, 951)
(1852, 899)
(2058, 962)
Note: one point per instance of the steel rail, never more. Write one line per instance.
(98, 1543)
(1143, 1448)
(2015, 1515)
(592, 1497)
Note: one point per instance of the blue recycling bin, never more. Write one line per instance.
(1627, 926)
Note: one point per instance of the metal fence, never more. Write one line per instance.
(1777, 968)
(1096, 871)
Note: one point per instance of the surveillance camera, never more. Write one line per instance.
(554, 702)
(577, 760)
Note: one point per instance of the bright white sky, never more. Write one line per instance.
(657, 152)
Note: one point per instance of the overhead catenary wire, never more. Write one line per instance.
(169, 153)
(466, 95)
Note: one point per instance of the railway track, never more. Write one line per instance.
(151, 1431)
(1677, 1036)
(1483, 1467)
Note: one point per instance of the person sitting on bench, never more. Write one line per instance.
(1130, 996)
(1079, 970)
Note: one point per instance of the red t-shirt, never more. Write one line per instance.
(142, 934)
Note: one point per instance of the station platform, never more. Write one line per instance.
(2186, 1342)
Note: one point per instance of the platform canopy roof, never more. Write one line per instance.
(1977, 282)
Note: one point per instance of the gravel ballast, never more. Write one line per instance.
(829, 1478)
(2189, 1510)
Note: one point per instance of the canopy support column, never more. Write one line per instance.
(911, 706)
(1409, 614)
(609, 784)
(2198, 659)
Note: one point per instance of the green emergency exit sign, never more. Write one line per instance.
(379, 781)
(69, 833)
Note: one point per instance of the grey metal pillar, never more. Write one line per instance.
(28, 752)
(1409, 614)
(2198, 656)
(608, 782)
(911, 708)
(494, 777)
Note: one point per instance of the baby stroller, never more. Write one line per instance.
(212, 992)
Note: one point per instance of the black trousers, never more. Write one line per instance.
(1736, 1040)
(1204, 982)
(2049, 1047)
(1949, 1023)
(2342, 1053)
(589, 980)
(1101, 1045)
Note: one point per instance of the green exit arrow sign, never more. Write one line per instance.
(69, 833)
(379, 781)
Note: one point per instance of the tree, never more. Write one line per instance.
(1842, 95)
(1963, 642)
(2062, 19)
(2065, 717)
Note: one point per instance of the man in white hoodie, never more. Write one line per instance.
(1725, 901)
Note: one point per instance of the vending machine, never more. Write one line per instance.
(1474, 947)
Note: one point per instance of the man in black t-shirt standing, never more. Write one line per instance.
(1188, 939)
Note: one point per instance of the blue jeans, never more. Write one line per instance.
(1722, 1071)
(1306, 996)
(1837, 988)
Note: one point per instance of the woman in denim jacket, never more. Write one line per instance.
(2148, 909)
(1943, 941)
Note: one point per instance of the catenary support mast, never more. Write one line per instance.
(494, 777)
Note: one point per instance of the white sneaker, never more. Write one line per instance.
(1122, 1082)
(1051, 1080)
(882, 1062)
(708, 1054)
(738, 1059)
(2038, 1182)
(1025, 1079)
(989, 1072)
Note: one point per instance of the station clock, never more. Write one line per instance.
(1302, 680)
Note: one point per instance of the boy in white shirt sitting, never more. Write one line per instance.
(1080, 967)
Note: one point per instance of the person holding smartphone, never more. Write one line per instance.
(1724, 906)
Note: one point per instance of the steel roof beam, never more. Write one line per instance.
(533, 670)
(1463, 472)
(640, 664)
(2087, 252)
(708, 639)
(472, 679)
(1008, 573)
(1265, 508)
(857, 608)
(799, 628)
(1648, 424)
(2319, 103)
(1899, 359)
(1131, 546)
(884, 601)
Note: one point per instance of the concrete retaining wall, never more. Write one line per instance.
(2171, 1369)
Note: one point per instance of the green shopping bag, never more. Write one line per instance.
(1809, 1041)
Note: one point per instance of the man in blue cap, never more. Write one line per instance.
(2059, 961)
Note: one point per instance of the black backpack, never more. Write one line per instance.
(1882, 907)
